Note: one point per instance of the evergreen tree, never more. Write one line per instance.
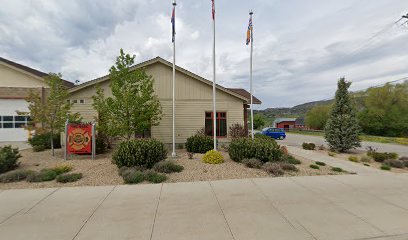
(342, 129)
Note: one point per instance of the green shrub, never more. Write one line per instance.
(167, 167)
(100, 144)
(38, 148)
(63, 168)
(70, 177)
(385, 167)
(213, 157)
(331, 154)
(45, 140)
(289, 167)
(365, 159)
(308, 146)
(15, 176)
(199, 143)
(353, 159)
(290, 159)
(42, 176)
(123, 170)
(139, 152)
(320, 163)
(381, 157)
(336, 169)
(314, 166)
(133, 177)
(8, 158)
(394, 163)
(405, 164)
(259, 148)
(273, 168)
(154, 177)
(252, 163)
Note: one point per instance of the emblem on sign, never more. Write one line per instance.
(79, 138)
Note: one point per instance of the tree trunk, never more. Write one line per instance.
(52, 143)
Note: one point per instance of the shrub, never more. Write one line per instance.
(71, 177)
(406, 163)
(237, 131)
(8, 158)
(394, 163)
(385, 167)
(167, 167)
(259, 148)
(353, 159)
(100, 144)
(365, 159)
(190, 155)
(336, 169)
(332, 154)
(139, 152)
(403, 158)
(371, 150)
(252, 163)
(290, 159)
(381, 157)
(15, 176)
(322, 147)
(38, 148)
(154, 177)
(133, 176)
(289, 167)
(45, 140)
(262, 137)
(180, 146)
(284, 150)
(308, 146)
(366, 164)
(320, 163)
(213, 157)
(199, 144)
(314, 166)
(42, 176)
(124, 170)
(60, 169)
(273, 168)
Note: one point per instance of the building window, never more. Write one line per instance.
(82, 101)
(75, 101)
(221, 124)
(13, 121)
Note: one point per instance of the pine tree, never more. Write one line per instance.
(342, 129)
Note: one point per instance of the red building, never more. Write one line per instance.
(288, 123)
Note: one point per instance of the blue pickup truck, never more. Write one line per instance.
(276, 133)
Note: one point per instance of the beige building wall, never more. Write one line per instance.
(13, 77)
(193, 99)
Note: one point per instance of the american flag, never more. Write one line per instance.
(173, 24)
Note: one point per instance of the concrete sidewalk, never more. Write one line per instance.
(322, 207)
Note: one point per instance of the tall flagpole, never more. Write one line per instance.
(250, 76)
(214, 77)
(173, 154)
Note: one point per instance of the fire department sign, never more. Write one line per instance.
(79, 138)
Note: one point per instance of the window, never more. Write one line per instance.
(221, 119)
(82, 101)
(13, 121)
(75, 101)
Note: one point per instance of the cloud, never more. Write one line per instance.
(300, 48)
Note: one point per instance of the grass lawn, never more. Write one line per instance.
(367, 138)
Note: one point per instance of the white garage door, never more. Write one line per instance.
(12, 125)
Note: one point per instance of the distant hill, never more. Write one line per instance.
(297, 111)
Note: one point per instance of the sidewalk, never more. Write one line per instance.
(342, 207)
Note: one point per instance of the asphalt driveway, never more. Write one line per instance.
(297, 140)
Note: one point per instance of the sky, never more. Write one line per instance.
(301, 48)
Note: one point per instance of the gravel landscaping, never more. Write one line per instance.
(101, 171)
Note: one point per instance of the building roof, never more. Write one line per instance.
(169, 64)
(246, 94)
(300, 121)
(32, 71)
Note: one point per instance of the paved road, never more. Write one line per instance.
(323, 207)
(298, 139)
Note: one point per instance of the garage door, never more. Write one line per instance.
(12, 125)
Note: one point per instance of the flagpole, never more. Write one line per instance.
(214, 77)
(250, 77)
(173, 154)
